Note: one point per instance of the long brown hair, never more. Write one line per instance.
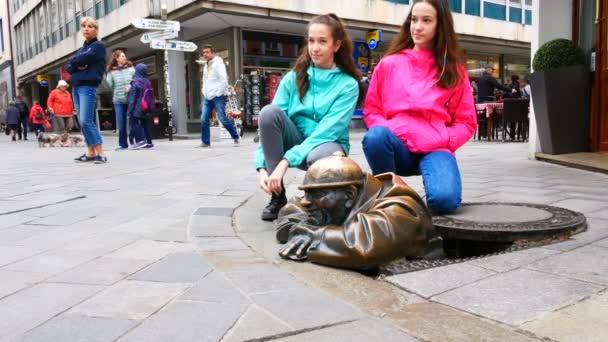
(445, 41)
(114, 60)
(343, 57)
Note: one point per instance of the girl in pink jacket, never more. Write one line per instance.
(419, 106)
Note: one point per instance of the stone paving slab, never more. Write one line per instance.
(35, 305)
(510, 261)
(187, 321)
(518, 296)
(13, 281)
(586, 321)
(602, 243)
(215, 287)
(53, 262)
(67, 218)
(175, 268)
(130, 299)
(13, 220)
(600, 214)
(11, 254)
(308, 308)
(582, 205)
(262, 279)
(149, 250)
(207, 211)
(101, 271)
(433, 281)
(256, 324)
(588, 263)
(103, 243)
(78, 329)
(357, 331)
(13, 235)
(209, 244)
(238, 260)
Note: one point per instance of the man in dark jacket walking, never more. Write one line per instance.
(12, 117)
(486, 85)
(24, 113)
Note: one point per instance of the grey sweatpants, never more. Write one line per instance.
(278, 134)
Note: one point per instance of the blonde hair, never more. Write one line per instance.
(89, 20)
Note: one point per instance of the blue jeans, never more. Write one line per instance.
(85, 101)
(121, 123)
(385, 152)
(218, 103)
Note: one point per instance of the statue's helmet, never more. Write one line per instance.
(332, 172)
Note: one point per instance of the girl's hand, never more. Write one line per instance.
(276, 178)
(264, 180)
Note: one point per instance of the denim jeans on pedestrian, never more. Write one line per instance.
(136, 130)
(38, 128)
(219, 104)
(84, 98)
(121, 123)
(385, 152)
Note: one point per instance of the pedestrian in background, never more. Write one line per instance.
(24, 113)
(60, 104)
(309, 115)
(38, 118)
(118, 78)
(141, 105)
(419, 107)
(86, 69)
(215, 82)
(12, 119)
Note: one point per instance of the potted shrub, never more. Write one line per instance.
(561, 97)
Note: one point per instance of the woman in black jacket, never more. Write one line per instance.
(86, 69)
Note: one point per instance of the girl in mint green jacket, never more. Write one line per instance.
(308, 118)
(118, 78)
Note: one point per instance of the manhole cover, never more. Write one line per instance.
(507, 222)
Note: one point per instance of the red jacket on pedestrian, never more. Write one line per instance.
(37, 109)
(60, 103)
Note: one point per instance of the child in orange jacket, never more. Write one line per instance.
(38, 117)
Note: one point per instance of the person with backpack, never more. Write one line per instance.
(38, 117)
(24, 113)
(140, 105)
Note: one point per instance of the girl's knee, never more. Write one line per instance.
(444, 202)
(269, 114)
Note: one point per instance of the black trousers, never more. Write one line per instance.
(22, 127)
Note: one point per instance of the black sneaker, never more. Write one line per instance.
(277, 202)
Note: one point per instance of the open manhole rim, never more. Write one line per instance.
(562, 221)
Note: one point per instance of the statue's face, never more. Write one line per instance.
(328, 206)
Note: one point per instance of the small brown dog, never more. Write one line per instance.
(59, 140)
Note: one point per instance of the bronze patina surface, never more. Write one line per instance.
(351, 219)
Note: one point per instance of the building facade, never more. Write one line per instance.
(259, 39)
(7, 65)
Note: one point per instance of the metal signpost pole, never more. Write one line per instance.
(163, 16)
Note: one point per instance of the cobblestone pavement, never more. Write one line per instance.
(167, 245)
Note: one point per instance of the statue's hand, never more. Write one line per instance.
(285, 224)
(297, 248)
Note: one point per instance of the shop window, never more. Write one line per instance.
(455, 6)
(494, 11)
(472, 7)
(528, 17)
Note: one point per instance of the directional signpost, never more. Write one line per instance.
(146, 38)
(162, 30)
(176, 45)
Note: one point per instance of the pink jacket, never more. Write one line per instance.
(403, 97)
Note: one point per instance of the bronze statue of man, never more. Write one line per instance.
(353, 220)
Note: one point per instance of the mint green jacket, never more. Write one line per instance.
(323, 114)
(118, 80)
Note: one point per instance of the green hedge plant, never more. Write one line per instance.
(556, 54)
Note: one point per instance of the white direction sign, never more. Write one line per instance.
(176, 45)
(155, 24)
(147, 37)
